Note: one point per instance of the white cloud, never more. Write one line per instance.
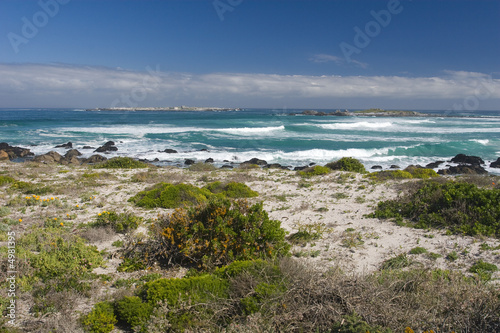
(40, 85)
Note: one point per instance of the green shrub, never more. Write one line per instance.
(4, 211)
(422, 173)
(132, 311)
(390, 174)
(397, 262)
(58, 259)
(483, 270)
(231, 189)
(100, 320)
(316, 170)
(196, 289)
(167, 195)
(219, 232)
(120, 222)
(418, 250)
(6, 180)
(121, 163)
(460, 207)
(308, 233)
(30, 188)
(347, 164)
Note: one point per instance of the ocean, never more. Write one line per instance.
(270, 134)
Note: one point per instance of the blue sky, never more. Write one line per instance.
(418, 54)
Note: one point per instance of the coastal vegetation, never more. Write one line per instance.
(347, 164)
(254, 250)
(457, 206)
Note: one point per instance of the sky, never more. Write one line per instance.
(406, 54)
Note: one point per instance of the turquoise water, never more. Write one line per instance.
(272, 135)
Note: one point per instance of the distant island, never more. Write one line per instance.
(370, 113)
(169, 108)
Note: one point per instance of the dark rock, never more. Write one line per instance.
(463, 170)
(88, 147)
(465, 159)
(226, 166)
(65, 145)
(71, 160)
(255, 161)
(72, 153)
(395, 167)
(376, 167)
(108, 146)
(273, 166)
(299, 168)
(495, 164)
(94, 159)
(170, 151)
(188, 161)
(434, 165)
(286, 167)
(15, 152)
(312, 163)
(226, 161)
(340, 113)
(204, 149)
(209, 160)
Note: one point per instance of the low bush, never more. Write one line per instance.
(218, 232)
(121, 163)
(119, 222)
(167, 195)
(308, 233)
(6, 180)
(422, 173)
(397, 262)
(390, 174)
(459, 207)
(483, 270)
(316, 170)
(231, 190)
(347, 164)
(418, 250)
(100, 320)
(132, 311)
(31, 188)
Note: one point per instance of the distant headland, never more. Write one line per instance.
(169, 108)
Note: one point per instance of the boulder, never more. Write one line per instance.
(274, 166)
(108, 146)
(376, 167)
(463, 170)
(299, 168)
(94, 159)
(434, 165)
(395, 167)
(465, 159)
(70, 160)
(188, 161)
(495, 164)
(209, 160)
(72, 153)
(50, 157)
(170, 151)
(226, 166)
(255, 161)
(68, 145)
(3, 155)
(15, 152)
(88, 147)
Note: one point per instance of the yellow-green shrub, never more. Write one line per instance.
(100, 320)
(167, 195)
(219, 232)
(231, 190)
